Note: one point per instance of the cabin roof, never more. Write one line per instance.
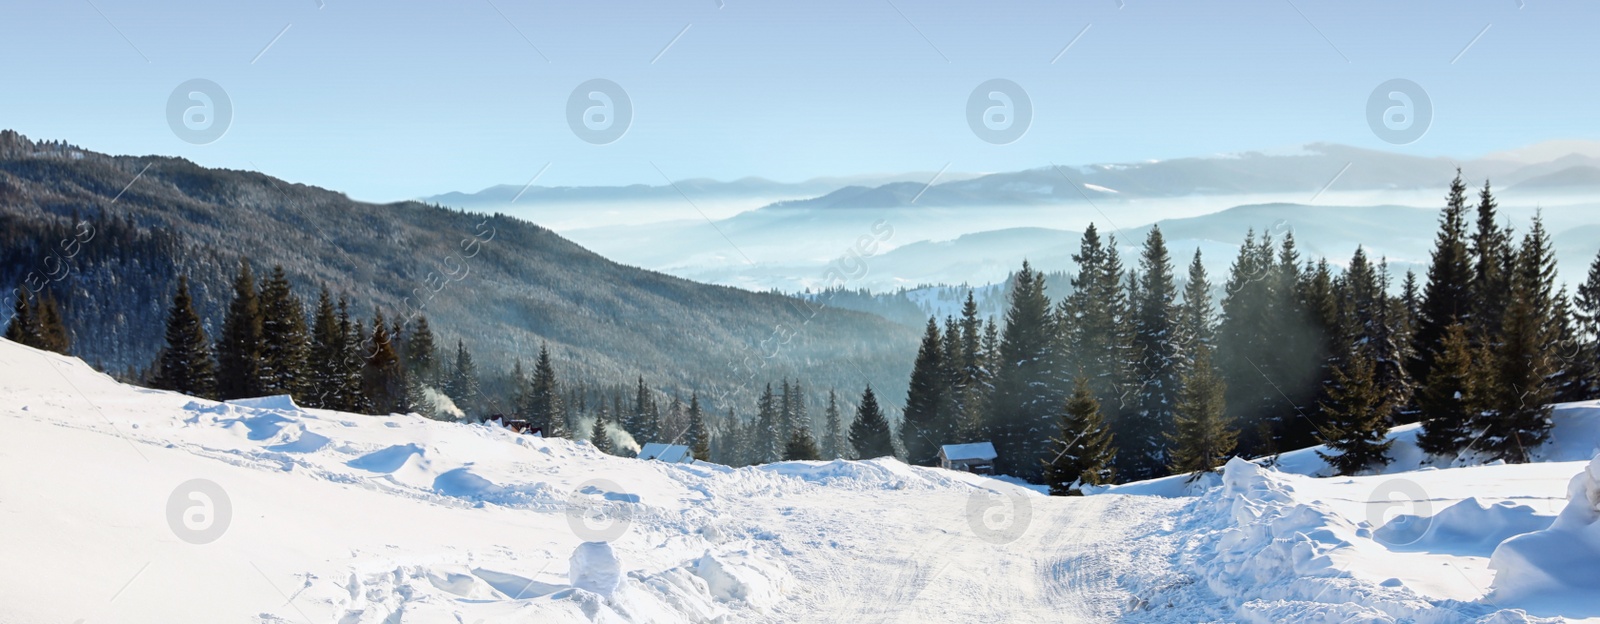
(670, 453)
(974, 450)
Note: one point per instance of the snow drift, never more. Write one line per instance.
(1558, 567)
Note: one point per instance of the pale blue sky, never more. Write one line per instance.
(390, 100)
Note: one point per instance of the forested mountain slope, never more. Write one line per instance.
(110, 235)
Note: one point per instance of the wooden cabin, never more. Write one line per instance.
(976, 457)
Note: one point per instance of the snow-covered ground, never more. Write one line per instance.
(120, 504)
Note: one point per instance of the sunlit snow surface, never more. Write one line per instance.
(119, 504)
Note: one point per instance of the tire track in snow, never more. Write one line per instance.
(927, 565)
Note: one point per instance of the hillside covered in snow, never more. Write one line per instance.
(120, 504)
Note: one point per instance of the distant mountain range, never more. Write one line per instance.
(1580, 177)
(977, 230)
(518, 286)
(1315, 167)
(499, 196)
(1311, 168)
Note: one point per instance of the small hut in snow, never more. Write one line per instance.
(670, 453)
(976, 458)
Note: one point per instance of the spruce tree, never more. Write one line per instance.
(417, 400)
(1447, 297)
(1403, 313)
(53, 334)
(1201, 438)
(382, 380)
(1083, 453)
(969, 395)
(1023, 404)
(24, 327)
(1357, 411)
(954, 371)
(801, 446)
(1196, 318)
(239, 346)
(834, 443)
(1154, 385)
(644, 422)
(1453, 397)
(1411, 301)
(1392, 347)
(799, 416)
(544, 398)
(920, 433)
(785, 411)
(599, 437)
(463, 386)
(1569, 382)
(1241, 344)
(422, 361)
(283, 338)
(766, 441)
(1095, 323)
(184, 364)
(870, 434)
(1354, 387)
(990, 351)
(1492, 256)
(1298, 363)
(1518, 420)
(1368, 320)
(698, 437)
(1586, 318)
(732, 444)
(323, 365)
(520, 386)
(351, 396)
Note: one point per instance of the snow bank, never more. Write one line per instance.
(1275, 558)
(1467, 528)
(884, 473)
(274, 402)
(1559, 567)
(1574, 436)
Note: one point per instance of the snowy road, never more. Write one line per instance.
(920, 558)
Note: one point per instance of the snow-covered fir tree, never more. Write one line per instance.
(1083, 453)
(1156, 356)
(1024, 399)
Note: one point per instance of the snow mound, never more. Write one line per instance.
(464, 483)
(742, 576)
(1467, 528)
(882, 474)
(1276, 558)
(274, 402)
(391, 459)
(1558, 567)
(595, 567)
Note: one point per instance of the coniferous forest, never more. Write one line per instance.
(1139, 372)
(1127, 373)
